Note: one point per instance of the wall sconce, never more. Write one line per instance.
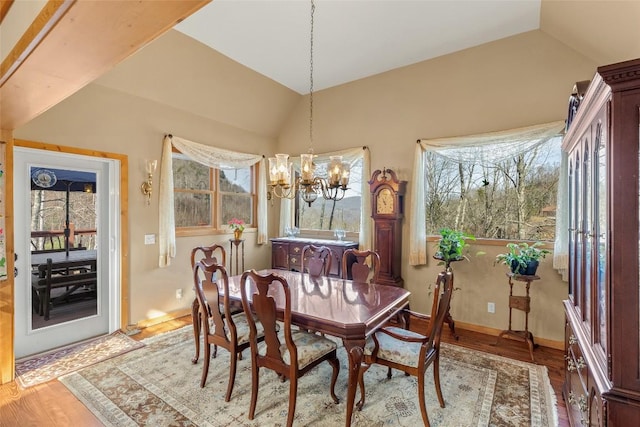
(147, 187)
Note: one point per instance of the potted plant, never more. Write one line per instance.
(237, 226)
(522, 258)
(451, 246)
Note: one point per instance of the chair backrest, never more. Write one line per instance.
(316, 260)
(441, 302)
(211, 279)
(356, 267)
(208, 252)
(263, 288)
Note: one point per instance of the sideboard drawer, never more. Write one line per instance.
(287, 253)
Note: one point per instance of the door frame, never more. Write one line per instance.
(124, 221)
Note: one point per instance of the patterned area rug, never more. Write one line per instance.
(158, 386)
(47, 366)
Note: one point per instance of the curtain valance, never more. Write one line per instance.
(212, 157)
(487, 148)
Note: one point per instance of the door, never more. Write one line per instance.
(89, 310)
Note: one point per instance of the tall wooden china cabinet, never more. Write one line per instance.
(602, 368)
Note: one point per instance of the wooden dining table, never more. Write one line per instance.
(342, 308)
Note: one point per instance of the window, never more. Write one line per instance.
(511, 198)
(329, 214)
(207, 197)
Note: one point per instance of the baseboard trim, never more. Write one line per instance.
(557, 345)
(172, 315)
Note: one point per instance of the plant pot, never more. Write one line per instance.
(530, 270)
(237, 234)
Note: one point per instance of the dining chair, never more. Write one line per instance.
(197, 254)
(316, 260)
(409, 351)
(219, 326)
(360, 266)
(301, 350)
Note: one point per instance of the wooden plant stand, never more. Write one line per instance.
(448, 319)
(522, 303)
(239, 253)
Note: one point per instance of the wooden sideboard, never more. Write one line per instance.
(286, 252)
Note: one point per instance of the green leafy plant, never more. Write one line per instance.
(521, 255)
(452, 245)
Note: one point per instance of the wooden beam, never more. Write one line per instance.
(5, 5)
(71, 43)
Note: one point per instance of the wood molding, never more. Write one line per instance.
(7, 360)
(37, 31)
(124, 209)
(71, 43)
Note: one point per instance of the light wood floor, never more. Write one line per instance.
(52, 405)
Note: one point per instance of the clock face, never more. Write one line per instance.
(385, 201)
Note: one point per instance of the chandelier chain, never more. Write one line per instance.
(313, 8)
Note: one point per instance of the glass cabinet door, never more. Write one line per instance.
(577, 260)
(572, 227)
(600, 179)
(587, 231)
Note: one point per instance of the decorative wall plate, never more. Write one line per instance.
(44, 178)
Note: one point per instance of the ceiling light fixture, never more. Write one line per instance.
(307, 184)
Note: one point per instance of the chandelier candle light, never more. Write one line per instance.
(308, 184)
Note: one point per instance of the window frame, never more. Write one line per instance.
(216, 226)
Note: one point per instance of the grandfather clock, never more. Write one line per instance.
(387, 211)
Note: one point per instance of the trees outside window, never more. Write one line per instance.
(330, 214)
(514, 198)
(207, 197)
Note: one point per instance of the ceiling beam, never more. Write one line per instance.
(71, 43)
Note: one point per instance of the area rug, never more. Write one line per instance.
(47, 366)
(159, 386)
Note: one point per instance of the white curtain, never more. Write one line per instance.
(212, 157)
(351, 156)
(561, 244)
(487, 148)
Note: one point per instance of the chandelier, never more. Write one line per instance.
(307, 184)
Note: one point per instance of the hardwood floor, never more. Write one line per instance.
(52, 405)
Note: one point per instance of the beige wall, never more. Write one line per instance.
(101, 118)
(514, 82)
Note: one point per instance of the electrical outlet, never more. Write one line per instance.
(179, 293)
(491, 307)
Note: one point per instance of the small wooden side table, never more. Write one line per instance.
(239, 246)
(523, 303)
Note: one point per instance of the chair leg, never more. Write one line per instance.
(388, 372)
(232, 375)
(254, 387)
(195, 317)
(423, 406)
(293, 394)
(334, 377)
(436, 380)
(361, 372)
(205, 366)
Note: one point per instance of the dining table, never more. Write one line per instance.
(61, 257)
(342, 308)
